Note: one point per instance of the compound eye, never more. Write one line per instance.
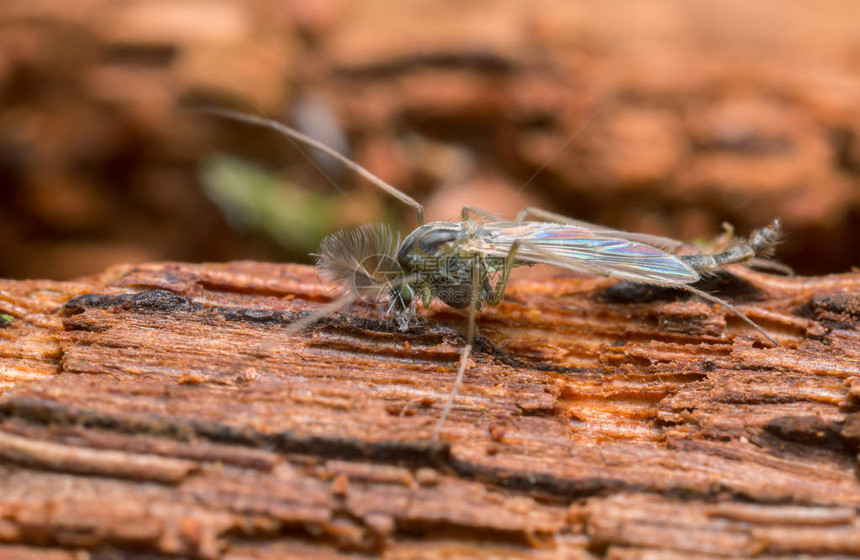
(431, 242)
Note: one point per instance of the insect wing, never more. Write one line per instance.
(666, 244)
(581, 249)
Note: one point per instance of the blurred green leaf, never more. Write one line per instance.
(264, 203)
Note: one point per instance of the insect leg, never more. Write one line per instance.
(349, 297)
(266, 345)
(547, 216)
(561, 262)
(730, 307)
(772, 267)
(482, 213)
(308, 141)
(496, 297)
(467, 350)
(758, 243)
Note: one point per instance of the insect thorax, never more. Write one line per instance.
(436, 254)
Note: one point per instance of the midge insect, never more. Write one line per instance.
(467, 263)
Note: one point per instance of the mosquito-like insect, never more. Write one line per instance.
(467, 263)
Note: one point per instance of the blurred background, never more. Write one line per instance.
(668, 117)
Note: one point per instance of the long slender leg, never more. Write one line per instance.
(467, 350)
(483, 213)
(547, 216)
(349, 297)
(308, 141)
(558, 261)
(732, 308)
(771, 267)
(496, 297)
(266, 345)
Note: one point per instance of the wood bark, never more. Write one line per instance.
(165, 410)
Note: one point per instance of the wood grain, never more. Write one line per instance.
(163, 409)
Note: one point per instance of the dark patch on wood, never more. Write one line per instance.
(160, 301)
(540, 484)
(722, 284)
(850, 430)
(163, 301)
(55, 413)
(421, 453)
(415, 454)
(807, 430)
(834, 311)
(626, 292)
(484, 62)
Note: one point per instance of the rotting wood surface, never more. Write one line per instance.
(161, 409)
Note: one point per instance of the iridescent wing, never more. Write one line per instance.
(667, 244)
(582, 249)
